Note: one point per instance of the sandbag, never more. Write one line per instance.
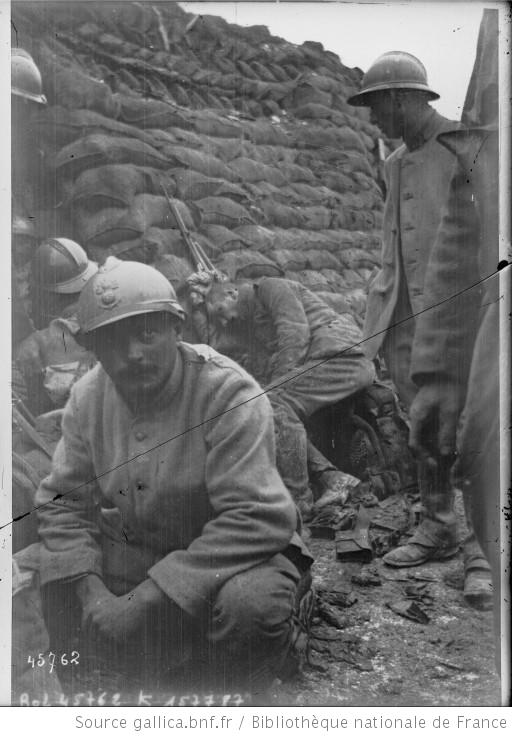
(181, 157)
(175, 269)
(192, 185)
(314, 194)
(265, 190)
(223, 238)
(177, 137)
(179, 95)
(246, 264)
(321, 81)
(97, 150)
(262, 132)
(295, 173)
(313, 280)
(352, 279)
(148, 113)
(318, 259)
(132, 250)
(220, 211)
(68, 85)
(59, 126)
(245, 69)
(228, 149)
(248, 170)
(357, 258)
(317, 218)
(213, 125)
(272, 155)
(340, 182)
(165, 240)
(313, 111)
(153, 210)
(334, 279)
(257, 236)
(115, 225)
(116, 185)
(100, 229)
(283, 216)
(288, 259)
(315, 137)
(307, 93)
(359, 219)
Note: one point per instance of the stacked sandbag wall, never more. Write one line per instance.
(272, 172)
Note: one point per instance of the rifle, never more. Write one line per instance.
(199, 258)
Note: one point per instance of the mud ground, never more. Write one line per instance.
(361, 654)
(383, 659)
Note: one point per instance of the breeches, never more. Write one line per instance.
(435, 487)
(243, 636)
(318, 383)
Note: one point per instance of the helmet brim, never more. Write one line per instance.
(172, 308)
(40, 99)
(77, 283)
(363, 98)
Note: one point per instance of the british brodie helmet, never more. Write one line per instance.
(394, 70)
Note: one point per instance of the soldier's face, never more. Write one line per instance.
(138, 353)
(224, 307)
(386, 113)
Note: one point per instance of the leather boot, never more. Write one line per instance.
(429, 542)
(478, 589)
(435, 537)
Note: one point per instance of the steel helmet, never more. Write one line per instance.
(394, 70)
(123, 289)
(25, 77)
(60, 265)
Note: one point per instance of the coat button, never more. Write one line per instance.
(140, 435)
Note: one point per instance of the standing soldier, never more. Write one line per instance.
(417, 177)
(450, 380)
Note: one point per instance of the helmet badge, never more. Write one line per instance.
(105, 291)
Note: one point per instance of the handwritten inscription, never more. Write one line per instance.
(140, 698)
(50, 659)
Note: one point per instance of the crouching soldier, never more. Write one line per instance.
(167, 533)
(310, 357)
(50, 359)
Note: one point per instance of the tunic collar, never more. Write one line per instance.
(430, 128)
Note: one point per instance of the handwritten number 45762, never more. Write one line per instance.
(50, 659)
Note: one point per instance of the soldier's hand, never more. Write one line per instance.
(434, 416)
(117, 617)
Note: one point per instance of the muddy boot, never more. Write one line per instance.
(435, 537)
(429, 542)
(478, 590)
